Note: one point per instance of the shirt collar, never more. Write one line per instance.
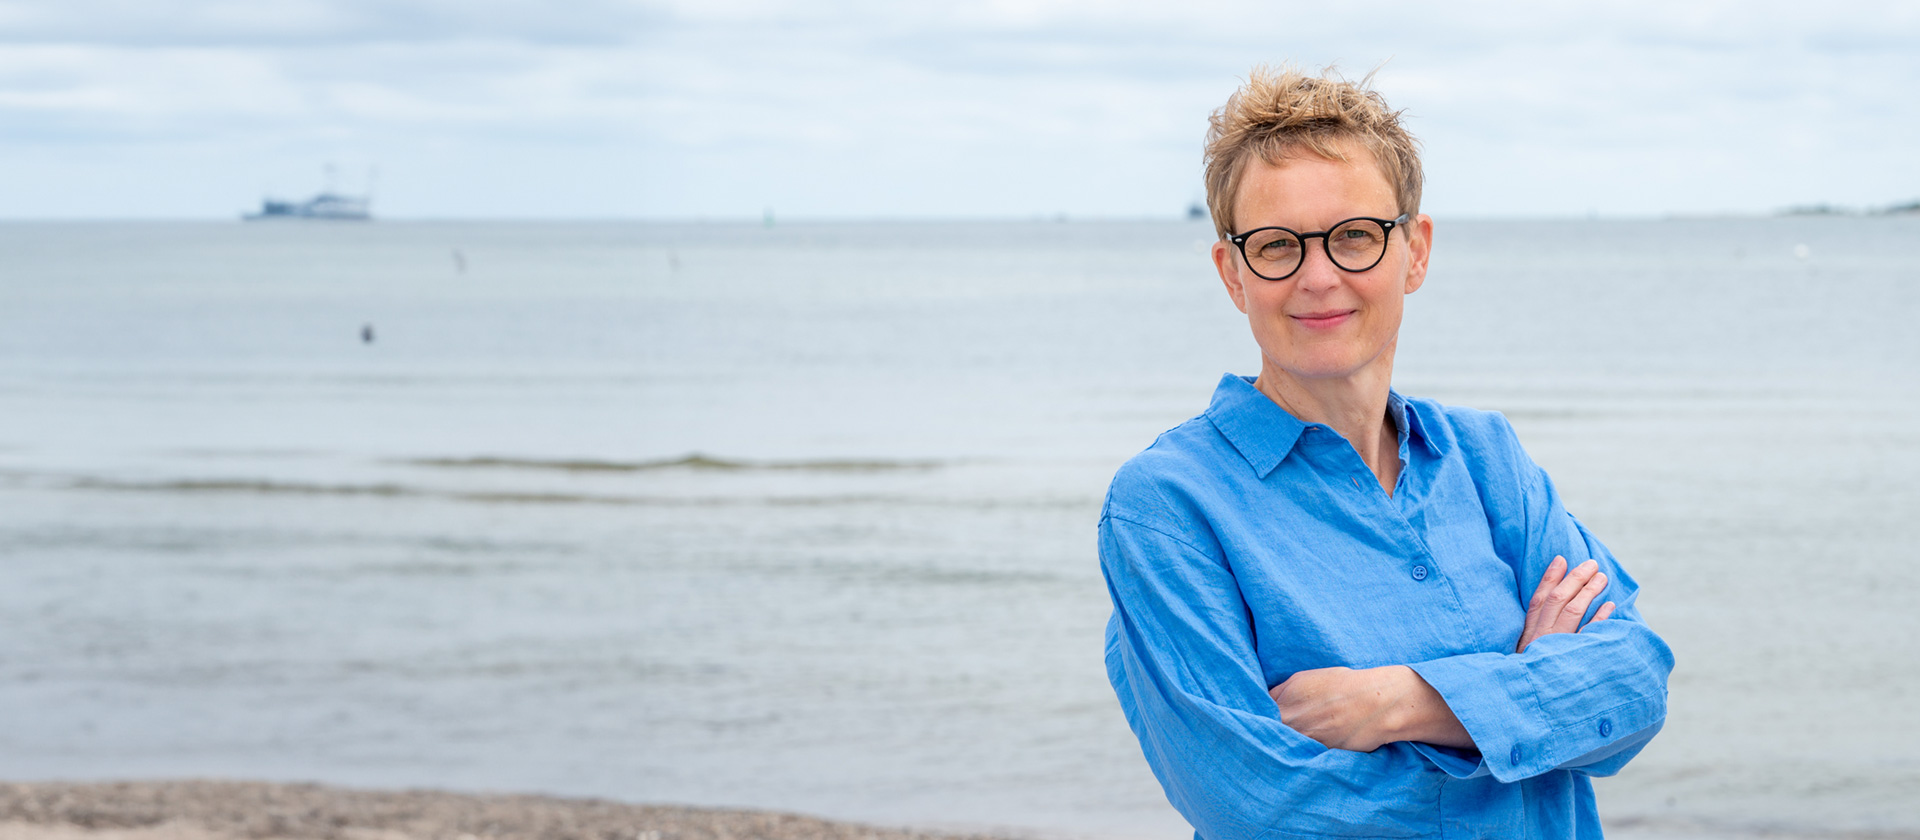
(1257, 426)
(1406, 422)
(1264, 432)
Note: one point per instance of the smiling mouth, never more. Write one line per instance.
(1323, 319)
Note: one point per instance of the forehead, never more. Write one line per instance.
(1304, 188)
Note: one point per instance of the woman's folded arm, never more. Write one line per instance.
(1181, 656)
(1585, 701)
(1588, 700)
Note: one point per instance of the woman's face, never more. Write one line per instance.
(1323, 322)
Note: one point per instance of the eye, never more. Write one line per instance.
(1277, 245)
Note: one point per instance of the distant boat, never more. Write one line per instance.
(327, 205)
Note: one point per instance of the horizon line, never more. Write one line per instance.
(776, 220)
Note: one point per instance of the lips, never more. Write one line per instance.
(1325, 319)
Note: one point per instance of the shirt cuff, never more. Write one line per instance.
(1495, 702)
(1499, 704)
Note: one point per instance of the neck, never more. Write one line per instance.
(1355, 406)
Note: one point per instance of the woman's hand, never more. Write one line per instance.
(1561, 600)
(1360, 710)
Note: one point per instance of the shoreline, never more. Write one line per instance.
(207, 809)
(232, 810)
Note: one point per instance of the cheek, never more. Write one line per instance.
(1389, 305)
(1386, 297)
(1265, 297)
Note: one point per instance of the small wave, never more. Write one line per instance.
(693, 461)
(285, 488)
(247, 485)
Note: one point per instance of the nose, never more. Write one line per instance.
(1317, 272)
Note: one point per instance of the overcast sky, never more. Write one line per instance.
(845, 108)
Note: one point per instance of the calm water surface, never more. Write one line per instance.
(802, 517)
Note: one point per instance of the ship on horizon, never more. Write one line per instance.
(327, 205)
(330, 204)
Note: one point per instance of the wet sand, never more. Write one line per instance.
(214, 810)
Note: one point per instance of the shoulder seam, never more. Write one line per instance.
(1163, 532)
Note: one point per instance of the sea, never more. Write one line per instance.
(801, 516)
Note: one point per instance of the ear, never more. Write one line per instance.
(1226, 261)
(1420, 247)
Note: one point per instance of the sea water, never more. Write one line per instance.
(802, 517)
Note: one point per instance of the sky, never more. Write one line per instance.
(718, 109)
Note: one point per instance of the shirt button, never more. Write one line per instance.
(1514, 756)
(1606, 727)
(1419, 573)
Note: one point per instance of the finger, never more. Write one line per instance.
(1538, 616)
(1562, 593)
(1280, 689)
(1541, 612)
(1601, 614)
(1555, 571)
(1577, 608)
(1526, 638)
(1554, 611)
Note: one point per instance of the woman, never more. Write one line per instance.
(1340, 611)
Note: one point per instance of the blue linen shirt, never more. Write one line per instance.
(1245, 545)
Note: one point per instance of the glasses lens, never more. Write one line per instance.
(1357, 245)
(1273, 253)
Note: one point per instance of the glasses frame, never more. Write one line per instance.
(1239, 241)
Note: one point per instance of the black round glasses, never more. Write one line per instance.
(1356, 244)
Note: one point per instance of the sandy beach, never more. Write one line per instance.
(221, 810)
(218, 810)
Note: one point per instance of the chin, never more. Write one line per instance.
(1324, 365)
(1328, 365)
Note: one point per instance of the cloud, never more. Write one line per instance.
(861, 108)
(317, 23)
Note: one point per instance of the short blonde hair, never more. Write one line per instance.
(1280, 113)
